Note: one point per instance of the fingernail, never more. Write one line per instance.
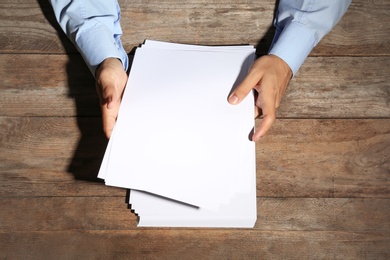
(233, 99)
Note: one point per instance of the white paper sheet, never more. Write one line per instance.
(177, 137)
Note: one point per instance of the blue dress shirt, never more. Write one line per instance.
(93, 26)
(301, 24)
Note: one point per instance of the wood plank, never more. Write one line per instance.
(361, 26)
(30, 27)
(66, 213)
(298, 158)
(58, 85)
(52, 157)
(199, 22)
(111, 213)
(46, 85)
(22, 181)
(194, 244)
(339, 88)
(325, 158)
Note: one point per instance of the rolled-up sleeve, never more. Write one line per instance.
(94, 28)
(301, 24)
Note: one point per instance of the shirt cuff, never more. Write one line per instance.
(293, 45)
(97, 44)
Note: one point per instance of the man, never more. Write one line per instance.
(93, 26)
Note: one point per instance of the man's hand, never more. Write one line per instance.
(111, 80)
(269, 76)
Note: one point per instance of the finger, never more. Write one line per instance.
(267, 102)
(109, 116)
(246, 86)
(257, 112)
(265, 125)
(257, 109)
(110, 96)
(107, 103)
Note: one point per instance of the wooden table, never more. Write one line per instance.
(323, 171)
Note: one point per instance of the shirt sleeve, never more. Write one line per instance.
(301, 24)
(94, 28)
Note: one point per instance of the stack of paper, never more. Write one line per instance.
(178, 145)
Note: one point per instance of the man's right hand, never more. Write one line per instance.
(269, 76)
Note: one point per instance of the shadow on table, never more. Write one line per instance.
(265, 41)
(88, 155)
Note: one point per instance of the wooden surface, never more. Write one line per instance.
(323, 171)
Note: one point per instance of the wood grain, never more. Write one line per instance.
(343, 87)
(274, 214)
(60, 85)
(46, 85)
(30, 27)
(325, 158)
(364, 30)
(195, 244)
(298, 158)
(323, 170)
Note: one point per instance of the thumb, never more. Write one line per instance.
(246, 86)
